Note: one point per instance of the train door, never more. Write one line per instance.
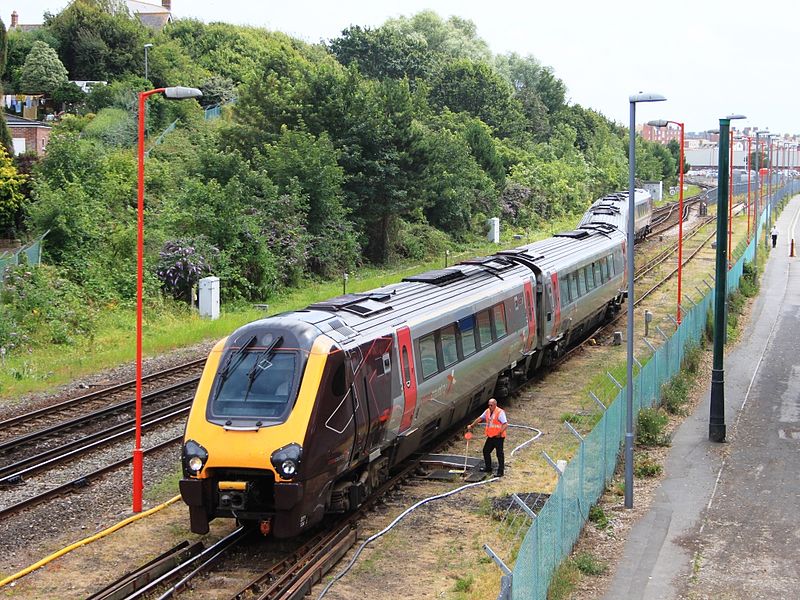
(408, 377)
(375, 385)
(556, 300)
(355, 360)
(530, 343)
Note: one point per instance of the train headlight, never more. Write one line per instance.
(194, 458)
(286, 460)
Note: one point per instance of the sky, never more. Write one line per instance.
(710, 58)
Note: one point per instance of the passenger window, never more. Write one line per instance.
(573, 286)
(427, 356)
(589, 278)
(581, 282)
(564, 287)
(610, 259)
(500, 320)
(449, 349)
(598, 274)
(467, 328)
(484, 328)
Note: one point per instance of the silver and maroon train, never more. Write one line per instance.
(306, 412)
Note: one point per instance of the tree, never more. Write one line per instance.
(3, 48)
(98, 39)
(383, 52)
(476, 88)
(42, 72)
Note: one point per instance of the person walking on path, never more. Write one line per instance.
(496, 425)
(774, 234)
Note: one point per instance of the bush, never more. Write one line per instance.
(598, 516)
(181, 265)
(644, 466)
(691, 359)
(588, 564)
(650, 429)
(38, 306)
(418, 241)
(674, 394)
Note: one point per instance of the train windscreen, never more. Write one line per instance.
(255, 384)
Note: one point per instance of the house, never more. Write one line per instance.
(17, 26)
(150, 14)
(27, 134)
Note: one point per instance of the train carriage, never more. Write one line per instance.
(306, 412)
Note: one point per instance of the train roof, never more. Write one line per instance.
(378, 311)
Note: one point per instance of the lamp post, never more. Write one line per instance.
(759, 204)
(664, 123)
(146, 48)
(633, 100)
(730, 203)
(716, 425)
(173, 93)
(749, 168)
(770, 136)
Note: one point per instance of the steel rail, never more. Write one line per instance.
(79, 482)
(99, 394)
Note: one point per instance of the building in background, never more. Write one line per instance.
(27, 134)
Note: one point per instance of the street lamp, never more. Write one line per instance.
(759, 195)
(664, 123)
(173, 93)
(716, 426)
(146, 48)
(770, 137)
(633, 100)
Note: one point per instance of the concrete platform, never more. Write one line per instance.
(724, 523)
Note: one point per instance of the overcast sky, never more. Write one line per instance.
(710, 58)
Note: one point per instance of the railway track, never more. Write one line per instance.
(71, 447)
(74, 408)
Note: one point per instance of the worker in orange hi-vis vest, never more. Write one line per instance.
(496, 425)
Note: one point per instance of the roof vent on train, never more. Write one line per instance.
(578, 234)
(364, 305)
(494, 264)
(437, 277)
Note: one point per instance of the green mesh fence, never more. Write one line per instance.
(558, 524)
(29, 254)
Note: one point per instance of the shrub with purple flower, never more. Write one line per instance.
(181, 265)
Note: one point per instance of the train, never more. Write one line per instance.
(613, 209)
(306, 412)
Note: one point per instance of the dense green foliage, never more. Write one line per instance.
(383, 143)
(42, 72)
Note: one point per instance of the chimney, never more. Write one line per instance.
(15, 18)
(167, 5)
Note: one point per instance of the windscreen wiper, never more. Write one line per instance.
(228, 368)
(257, 367)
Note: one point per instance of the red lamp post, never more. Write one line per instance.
(176, 93)
(664, 123)
(749, 156)
(730, 202)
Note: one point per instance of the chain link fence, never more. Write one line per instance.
(551, 525)
(30, 254)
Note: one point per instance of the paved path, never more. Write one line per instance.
(724, 523)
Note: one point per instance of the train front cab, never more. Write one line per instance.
(246, 453)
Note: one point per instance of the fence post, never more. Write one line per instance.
(604, 419)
